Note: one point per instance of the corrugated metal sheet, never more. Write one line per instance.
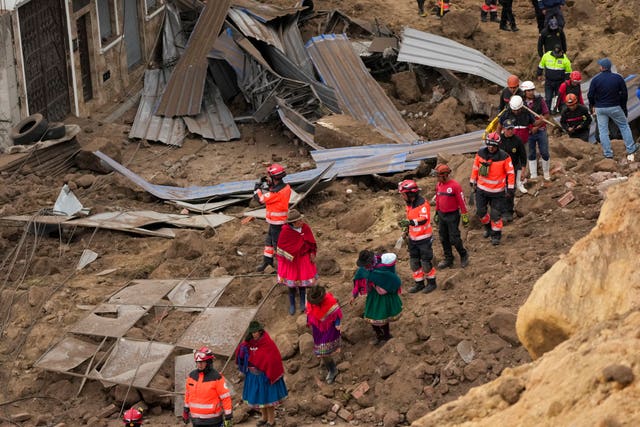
(265, 12)
(418, 47)
(294, 46)
(251, 27)
(183, 95)
(216, 121)
(155, 128)
(358, 92)
(173, 38)
(297, 124)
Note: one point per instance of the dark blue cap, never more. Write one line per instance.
(605, 63)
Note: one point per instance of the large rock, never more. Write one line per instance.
(460, 25)
(502, 323)
(445, 120)
(406, 86)
(342, 130)
(596, 281)
(587, 381)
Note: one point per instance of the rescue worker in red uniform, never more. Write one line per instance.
(207, 400)
(132, 417)
(274, 193)
(450, 208)
(420, 234)
(576, 119)
(570, 86)
(493, 180)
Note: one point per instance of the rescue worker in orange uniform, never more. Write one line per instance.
(418, 224)
(207, 400)
(493, 180)
(274, 193)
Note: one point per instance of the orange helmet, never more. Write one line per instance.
(513, 81)
(203, 354)
(132, 417)
(408, 186)
(443, 169)
(276, 171)
(571, 99)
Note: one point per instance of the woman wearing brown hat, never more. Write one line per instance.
(259, 359)
(296, 258)
(324, 316)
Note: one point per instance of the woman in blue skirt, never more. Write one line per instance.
(259, 359)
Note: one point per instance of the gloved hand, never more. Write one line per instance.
(228, 423)
(511, 192)
(257, 185)
(465, 219)
(185, 415)
(404, 223)
(436, 218)
(473, 186)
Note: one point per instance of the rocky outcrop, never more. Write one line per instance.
(589, 379)
(595, 281)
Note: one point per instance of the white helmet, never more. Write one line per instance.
(528, 85)
(515, 103)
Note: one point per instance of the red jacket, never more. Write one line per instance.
(449, 197)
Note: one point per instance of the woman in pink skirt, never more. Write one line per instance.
(296, 256)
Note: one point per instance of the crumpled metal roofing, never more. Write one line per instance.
(148, 126)
(216, 121)
(358, 92)
(418, 47)
(183, 94)
(251, 27)
(265, 12)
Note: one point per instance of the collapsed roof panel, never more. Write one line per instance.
(338, 22)
(251, 27)
(143, 292)
(67, 354)
(148, 126)
(359, 94)
(297, 124)
(265, 12)
(110, 320)
(294, 45)
(216, 121)
(183, 94)
(418, 47)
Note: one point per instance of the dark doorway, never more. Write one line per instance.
(85, 63)
(132, 34)
(42, 28)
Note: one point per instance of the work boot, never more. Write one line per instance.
(446, 263)
(292, 301)
(464, 259)
(303, 299)
(494, 17)
(487, 231)
(417, 287)
(266, 261)
(431, 285)
(483, 17)
(495, 238)
(515, 29)
(504, 28)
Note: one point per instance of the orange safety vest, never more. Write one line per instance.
(501, 173)
(277, 204)
(420, 213)
(207, 396)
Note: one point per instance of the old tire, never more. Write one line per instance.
(56, 130)
(29, 130)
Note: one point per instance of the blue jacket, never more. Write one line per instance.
(547, 4)
(608, 89)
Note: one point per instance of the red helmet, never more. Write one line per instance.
(408, 186)
(576, 76)
(276, 171)
(132, 417)
(493, 139)
(203, 354)
(443, 169)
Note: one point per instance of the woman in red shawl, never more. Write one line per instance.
(324, 317)
(296, 255)
(259, 359)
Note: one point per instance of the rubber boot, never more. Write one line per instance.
(292, 301)
(495, 238)
(332, 371)
(483, 16)
(431, 285)
(417, 287)
(487, 231)
(533, 169)
(303, 299)
(266, 261)
(545, 170)
(519, 184)
(493, 17)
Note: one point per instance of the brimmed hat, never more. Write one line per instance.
(255, 326)
(316, 294)
(293, 216)
(388, 259)
(605, 63)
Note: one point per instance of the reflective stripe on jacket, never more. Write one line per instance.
(276, 203)
(555, 69)
(207, 396)
(501, 173)
(420, 211)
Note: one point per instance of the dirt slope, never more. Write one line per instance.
(417, 371)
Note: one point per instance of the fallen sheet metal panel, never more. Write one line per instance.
(380, 44)
(198, 293)
(183, 93)
(133, 362)
(208, 206)
(110, 320)
(359, 94)
(203, 221)
(297, 124)
(216, 121)
(66, 355)
(173, 37)
(265, 12)
(213, 329)
(151, 127)
(165, 192)
(251, 27)
(418, 47)
(294, 45)
(144, 292)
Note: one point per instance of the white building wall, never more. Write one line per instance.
(9, 104)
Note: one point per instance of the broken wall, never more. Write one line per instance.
(9, 107)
